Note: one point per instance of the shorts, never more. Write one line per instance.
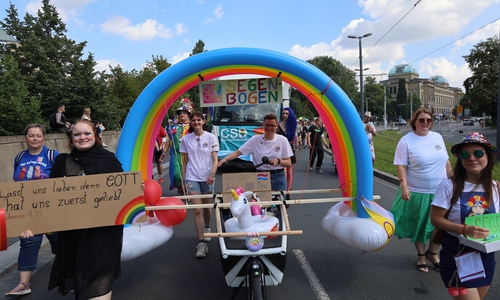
(156, 156)
(200, 188)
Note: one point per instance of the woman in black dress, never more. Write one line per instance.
(88, 260)
(288, 128)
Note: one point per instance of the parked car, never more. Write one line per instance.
(468, 122)
(401, 122)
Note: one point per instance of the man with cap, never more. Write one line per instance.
(370, 132)
(178, 130)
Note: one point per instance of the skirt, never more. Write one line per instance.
(412, 218)
(447, 266)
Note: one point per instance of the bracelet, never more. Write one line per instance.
(279, 161)
(463, 230)
(213, 174)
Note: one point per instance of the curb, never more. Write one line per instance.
(8, 259)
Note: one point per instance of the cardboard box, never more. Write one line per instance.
(486, 247)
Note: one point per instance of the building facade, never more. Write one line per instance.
(435, 93)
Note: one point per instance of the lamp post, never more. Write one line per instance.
(411, 103)
(360, 69)
(385, 107)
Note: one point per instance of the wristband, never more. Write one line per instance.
(463, 230)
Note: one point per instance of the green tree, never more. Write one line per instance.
(193, 93)
(481, 87)
(344, 77)
(17, 109)
(51, 64)
(374, 98)
(401, 97)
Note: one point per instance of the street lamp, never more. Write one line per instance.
(385, 107)
(411, 103)
(360, 69)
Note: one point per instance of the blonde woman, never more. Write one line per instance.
(86, 114)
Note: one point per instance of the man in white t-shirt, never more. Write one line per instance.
(275, 147)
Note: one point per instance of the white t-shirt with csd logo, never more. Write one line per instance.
(425, 157)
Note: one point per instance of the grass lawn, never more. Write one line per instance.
(385, 145)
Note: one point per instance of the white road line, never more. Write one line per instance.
(311, 277)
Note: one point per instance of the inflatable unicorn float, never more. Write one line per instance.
(243, 219)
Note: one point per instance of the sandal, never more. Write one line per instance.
(422, 267)
(18, 291)
(434, 263)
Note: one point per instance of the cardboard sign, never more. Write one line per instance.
(258, 182)
(490, 221)
(71, 202)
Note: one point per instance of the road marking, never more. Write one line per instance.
(311, 277)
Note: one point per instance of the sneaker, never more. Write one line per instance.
(202, 250)
(310, 168)
(18, 291)
(318, 170)
(207, 238)
(160, 180)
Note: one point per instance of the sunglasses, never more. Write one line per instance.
(476, 153)
(198, 140)
(422, 121)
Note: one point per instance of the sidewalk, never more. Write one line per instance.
(9, 276)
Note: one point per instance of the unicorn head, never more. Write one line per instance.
(239, 203)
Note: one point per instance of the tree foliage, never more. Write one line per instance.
(17, 109)
(481, 87)
(52, 65)
(340, 74)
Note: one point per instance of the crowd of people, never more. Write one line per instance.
(432, 194)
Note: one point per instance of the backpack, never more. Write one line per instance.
(20, 154)
(52, 121)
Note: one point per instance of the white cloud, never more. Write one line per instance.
(442, 66)
(67, 10)
(148, 30)
(427, 21)
(177, 58)
(103, 64)
(218, 12)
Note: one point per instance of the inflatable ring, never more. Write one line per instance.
(140, 238)
(362, 233)
(254, 243)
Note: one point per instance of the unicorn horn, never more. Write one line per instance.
(235, 196)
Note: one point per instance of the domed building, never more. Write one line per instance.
(435, 93)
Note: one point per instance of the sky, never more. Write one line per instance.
(431, 35)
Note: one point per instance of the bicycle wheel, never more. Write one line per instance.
(256, 285)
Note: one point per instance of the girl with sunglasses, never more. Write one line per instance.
(422, 163)
(472, 181)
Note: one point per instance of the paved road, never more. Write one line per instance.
(318, 266)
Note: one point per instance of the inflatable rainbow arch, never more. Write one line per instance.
(342, 122)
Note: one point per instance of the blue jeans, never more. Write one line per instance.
(199, 187)
(28, 254)
(278, 181)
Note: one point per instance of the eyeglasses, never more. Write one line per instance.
(422, 120)
(198, 140)
(270, 125)
(476, 153)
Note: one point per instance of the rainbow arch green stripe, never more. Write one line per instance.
(135, 147)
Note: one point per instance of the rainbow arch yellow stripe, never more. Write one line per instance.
(342, 122)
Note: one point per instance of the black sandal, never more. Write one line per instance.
(422, 267)
(434, 264)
